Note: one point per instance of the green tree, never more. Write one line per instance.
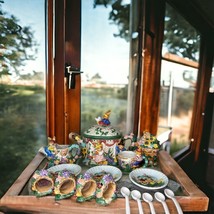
(179, 37)
(119, 16)
(17, 43)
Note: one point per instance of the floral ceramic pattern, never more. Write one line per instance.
(65, 185)
(101, 152)
(61, 154)
(129, 160)
(106, 190)
(86, 187)
(42, 183)
(105, 132)
(150, 147)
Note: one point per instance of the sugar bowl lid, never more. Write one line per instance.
(103, 129)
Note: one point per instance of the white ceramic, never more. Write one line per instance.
(114, 171)
(74, 168)
(126, 193)
(161, 198)
(148, 198)
(170, 194)
(155, 174)
(136, 195)
(129, 160)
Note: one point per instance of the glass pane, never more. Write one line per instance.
(180, 37)
(178, 78)
(105, 61)
(22, 86)
(211, 90)
(176, 105)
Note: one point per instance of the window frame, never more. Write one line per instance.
(63, 105)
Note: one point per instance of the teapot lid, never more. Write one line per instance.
(102, 132)
(103, 129)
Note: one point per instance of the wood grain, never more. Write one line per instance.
(194, 199)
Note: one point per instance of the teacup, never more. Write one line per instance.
(129, 160)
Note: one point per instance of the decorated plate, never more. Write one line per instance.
(148, 178)
(74, 168)
(98, 171)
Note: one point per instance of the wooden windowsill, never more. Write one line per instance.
(193, 200)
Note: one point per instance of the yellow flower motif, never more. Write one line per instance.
(155, 146)
(56, 191)
(84, 152)
(147, 143)
(51, 147)
(78, 193)
(33, 187)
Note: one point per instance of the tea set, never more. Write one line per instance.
(103, 146)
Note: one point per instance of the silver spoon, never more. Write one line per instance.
(170, 194)
(161, 198)
(148, 198)
(126, 192)
(136, 195)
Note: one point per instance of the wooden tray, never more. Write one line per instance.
(193, 199)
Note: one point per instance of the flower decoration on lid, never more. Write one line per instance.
(104, 121)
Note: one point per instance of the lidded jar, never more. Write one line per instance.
(101, 142)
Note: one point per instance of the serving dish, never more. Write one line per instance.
(114, 171)
(147, 178)
(74, 168)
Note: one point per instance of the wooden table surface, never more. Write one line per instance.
(193, 199)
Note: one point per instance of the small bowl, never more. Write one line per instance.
(129, 160)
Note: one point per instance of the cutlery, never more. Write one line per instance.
(170, 194)
(161, 198)
(136, 195)
(148, 198)
(126, 193)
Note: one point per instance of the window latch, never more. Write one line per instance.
(70, 73)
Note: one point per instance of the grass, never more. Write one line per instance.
(22, 129)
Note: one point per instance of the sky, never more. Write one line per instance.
(101, 52)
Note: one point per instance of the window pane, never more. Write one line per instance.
(211, 90)
(180, 37)
(105, 62)
(178, 78)
(22, 86)
(176, 105)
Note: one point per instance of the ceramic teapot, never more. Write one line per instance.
(150, 147)
(101, 142)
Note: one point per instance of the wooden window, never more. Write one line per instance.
(64, 47)
(64, 105)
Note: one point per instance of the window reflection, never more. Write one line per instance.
(211, 90)
(179, 72)
(105, 62)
